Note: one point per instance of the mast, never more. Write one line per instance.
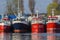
(18, 9)
(31, 6)
(21, 6)
(9, 7)
(18, 6)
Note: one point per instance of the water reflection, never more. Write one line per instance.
(29, 36)
(4, 36)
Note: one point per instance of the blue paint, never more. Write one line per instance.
(11, 16)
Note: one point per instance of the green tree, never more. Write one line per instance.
(51, 6)
(58, 10)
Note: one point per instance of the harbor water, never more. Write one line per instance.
(27, 36)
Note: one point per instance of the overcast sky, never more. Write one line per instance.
(40, 5)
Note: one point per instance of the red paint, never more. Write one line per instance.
(41, 28)
(4, 28)
(51, 28)
(38, 28)
(1, 28)
(51, 25)
(5, 18)
(35, 28)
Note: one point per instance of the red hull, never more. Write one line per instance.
(4, 28)
(51, 29)
(7, 28)
(1, 28)
(37, 28)
(58, 28)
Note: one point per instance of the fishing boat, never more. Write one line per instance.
(51, 26)
(20, 25)
(5, 25)
(37, 24)
(5, 30)
(37, 27)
